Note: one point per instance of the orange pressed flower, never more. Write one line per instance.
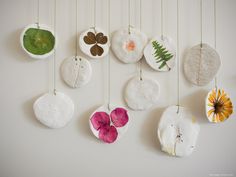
(219, 106)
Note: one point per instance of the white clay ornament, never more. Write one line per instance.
(178, 132)
(109, 124)
(128, 47)
(76, 71)
(141, 94)
(94, 43)
(160, 53)
(38, 41)
(218, 106)
(201, 64)
(54, 111)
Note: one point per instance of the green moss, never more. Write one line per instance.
(38, 41)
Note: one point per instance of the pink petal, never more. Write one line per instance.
(119, 117)
(99, 120)
(108, 134)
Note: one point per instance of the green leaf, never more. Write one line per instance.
(38, 41)
(161, 54)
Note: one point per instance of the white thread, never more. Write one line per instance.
(54, 57)
(178, 60)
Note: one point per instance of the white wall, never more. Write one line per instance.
(28, 149)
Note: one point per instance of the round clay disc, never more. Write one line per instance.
(94, 42)
(201, 64)
(141, 94)
(178, 132)
(114, 121)
(76, 71)
(54, 111)
(154, 57)
(128, 48)
(42, 27)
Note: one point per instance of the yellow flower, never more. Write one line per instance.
(219, 106)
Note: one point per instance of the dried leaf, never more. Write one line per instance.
(90, 38)
(101, 39)
(96, 50)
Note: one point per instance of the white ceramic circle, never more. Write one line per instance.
(201, 64)
(128, 48)
(44, 27)
(54, 111)
(178, 132)
(76, 71)
(149, 51)
(104, 108)
(141, 94)
(85, 48)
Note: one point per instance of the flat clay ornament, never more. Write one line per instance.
(94, 42)
(201, 64)
(128, 47)
(141, 94)
(218, 106)
(54, 111)
(160, 53)
(38, 41)
(109, 125)
(76, 71)
(178, 132)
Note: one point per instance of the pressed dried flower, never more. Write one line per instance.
(99, 120)
(119, 117)
(219, 106)
(108, 134)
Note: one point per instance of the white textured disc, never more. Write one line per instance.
(149, 53)
(128, 48)
(141, 94)
(44, 27)
(94, 42)
(76, 71)
(104, 109)
(54, 111)
(201, 64)
(178, 132)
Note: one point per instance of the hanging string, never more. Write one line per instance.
(94, 13)
(201, 20)
(108, 58)
(76, 28)
(161, 19)
(215, 38)
(54, 56)
(178, 60)
(140, 25)
(37, 22)
(129, 26)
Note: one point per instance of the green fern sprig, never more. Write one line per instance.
(161, 54)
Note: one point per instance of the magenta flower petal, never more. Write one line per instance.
(119, 117)
(99, 120)
(108, 134)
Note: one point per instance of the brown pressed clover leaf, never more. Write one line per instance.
(95, 39)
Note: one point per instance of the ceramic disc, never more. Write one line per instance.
(178, 132)
(141, 94)
(128, 48)
(201, 64)
(54, 111)
(160, 53)
(31, 41)
(94, 42)
(76, 71)
(109, 125)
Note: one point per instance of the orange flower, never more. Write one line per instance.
(219, 106)
(130, 46)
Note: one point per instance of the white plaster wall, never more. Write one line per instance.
(29, 149)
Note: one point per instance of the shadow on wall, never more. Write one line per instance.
(148, 134)
(195, 102)
(29, 112)
(13, 47)
(83, 124)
